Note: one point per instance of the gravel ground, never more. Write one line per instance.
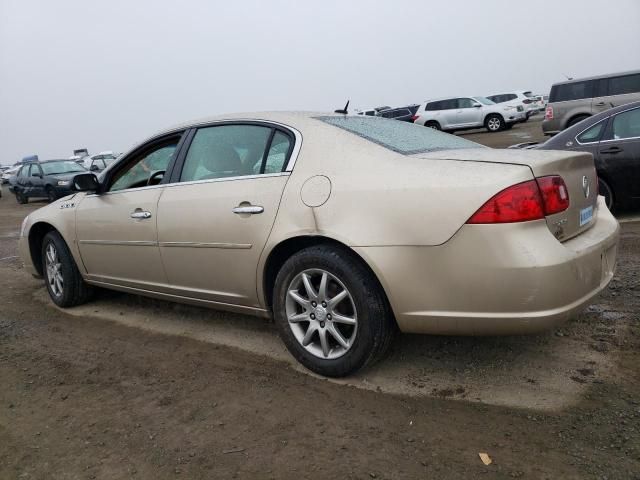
(90, 395)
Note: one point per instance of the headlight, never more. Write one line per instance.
(24, 225)
(63, 183)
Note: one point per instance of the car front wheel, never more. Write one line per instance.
(65, 285)
(331, 312)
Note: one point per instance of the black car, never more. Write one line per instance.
(613, 137)
(404, 114)
(48, 178)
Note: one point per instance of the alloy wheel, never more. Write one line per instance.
(54, 270)
(321, 314)
(494, 124)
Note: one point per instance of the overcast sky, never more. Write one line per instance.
(104, 75)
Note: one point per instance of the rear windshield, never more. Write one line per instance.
(402, 137)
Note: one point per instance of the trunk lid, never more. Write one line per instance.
(576, 169)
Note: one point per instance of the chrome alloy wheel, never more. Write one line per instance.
(54, 270)
(494, 124)
(321, 313)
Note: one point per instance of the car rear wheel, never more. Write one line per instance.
(51, 194)
(494, 123)
(65, 285)
(331, 312)
(605, 190)
(21, 198)
(434, 125)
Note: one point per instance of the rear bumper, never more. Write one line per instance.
(497, 279)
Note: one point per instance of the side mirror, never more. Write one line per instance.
(86, 182)
(476, 105)
(36, 175)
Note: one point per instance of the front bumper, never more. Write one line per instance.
(515, 116)
(497, 279)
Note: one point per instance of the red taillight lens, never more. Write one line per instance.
(415, 117)
(519, 203)
(548, 113)
(554, 194)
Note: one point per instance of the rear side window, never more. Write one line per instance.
(623, 85)
(401, 137)
(571, 91)
(592, 134)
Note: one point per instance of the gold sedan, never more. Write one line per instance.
(341, 228)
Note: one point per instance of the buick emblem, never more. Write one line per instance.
(585, 186)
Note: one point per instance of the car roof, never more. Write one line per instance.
(630, 72)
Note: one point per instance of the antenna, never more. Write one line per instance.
(344, 110)
(567, 76)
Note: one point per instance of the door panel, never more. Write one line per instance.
(116, 247)
(468, 115)
(621, 161)
(212, 253)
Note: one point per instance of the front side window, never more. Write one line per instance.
(484, 101)
(226, 151)
(465, 103)
(626, 125)
(140, 170)
(591, 134)
(624, 85)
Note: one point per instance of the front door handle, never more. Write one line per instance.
(250, 209)
(611, 150)
(139, 214)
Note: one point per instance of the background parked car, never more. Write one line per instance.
(372, 112)
(613, 137)
(8, 173)
(572, 101)
(404, 114)
(520, 98)
(463, 113)
(48, 178)
(99, 161)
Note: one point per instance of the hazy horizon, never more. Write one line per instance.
(106, 75)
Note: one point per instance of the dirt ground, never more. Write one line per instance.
(126, 387)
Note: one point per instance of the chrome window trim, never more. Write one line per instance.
(194, 182)
(621, 139)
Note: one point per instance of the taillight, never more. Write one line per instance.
(548, 113)
(519, 203)
(525, 201)
(554, 194)
(414, 117)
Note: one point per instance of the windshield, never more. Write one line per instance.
(401, 137)
(484, 100)
(57, 168)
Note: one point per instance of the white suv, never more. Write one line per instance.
(520, 97)
(464, 113)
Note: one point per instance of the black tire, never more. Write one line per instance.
(375, 323)
(605, 190)
(51, 194)
(575, 120)
(494, 123)
(74, 289)
(21, 198)
(433, 124)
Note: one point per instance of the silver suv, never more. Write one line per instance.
(573, 101)
(451, 114)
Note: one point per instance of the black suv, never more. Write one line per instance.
(48, 178)
(404, 114)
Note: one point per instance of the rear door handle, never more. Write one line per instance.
(600, 104)
(611, 150)
(250, 209)
(139, 214)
